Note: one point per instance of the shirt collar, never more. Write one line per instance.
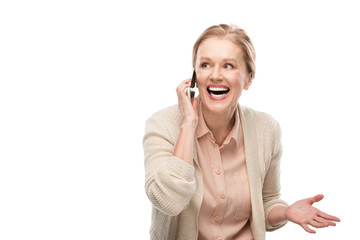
(235, 133)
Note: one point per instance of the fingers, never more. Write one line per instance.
(319, 222)
(328, 217)
(187, 108)
(180, 91)
(183, 85)
(325, 222)
(316, 198)
(307, 228)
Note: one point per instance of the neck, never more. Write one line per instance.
(220, 124)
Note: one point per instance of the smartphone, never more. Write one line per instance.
(192, 89)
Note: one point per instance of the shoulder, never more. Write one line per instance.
(262, 128)
(260, 120)
(257, 117)
(167, 115)
(167, 120)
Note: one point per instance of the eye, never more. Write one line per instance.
(228, 66)
(205, 65)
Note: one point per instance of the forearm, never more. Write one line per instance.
(184, 148)
(172, 187)
(169, 180)
(277, 215)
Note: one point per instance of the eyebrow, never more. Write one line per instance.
(225, 59)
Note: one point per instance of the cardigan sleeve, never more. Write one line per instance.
(169, 181)
(271, 188)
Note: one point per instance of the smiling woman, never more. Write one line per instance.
(221, 76)
(213, 166)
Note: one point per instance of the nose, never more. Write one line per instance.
(216, 74)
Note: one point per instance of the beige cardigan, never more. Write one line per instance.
(175, 188)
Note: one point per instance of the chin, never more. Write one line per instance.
(217, 107)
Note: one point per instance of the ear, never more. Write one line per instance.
(249, 82)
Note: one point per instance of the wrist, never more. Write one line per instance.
(277, 215)
(284, 213)
(189, 125)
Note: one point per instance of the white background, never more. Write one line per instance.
(79, 79)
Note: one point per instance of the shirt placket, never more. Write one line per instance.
(221, 199)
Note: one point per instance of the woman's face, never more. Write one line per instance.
(221, 74)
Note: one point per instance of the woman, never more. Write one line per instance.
(212, 166)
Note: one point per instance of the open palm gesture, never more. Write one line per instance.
(303, 213)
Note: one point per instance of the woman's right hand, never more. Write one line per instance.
(187, 108)
(184, 146)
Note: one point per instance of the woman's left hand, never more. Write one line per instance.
(303, 213)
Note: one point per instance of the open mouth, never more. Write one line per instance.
(218, 92)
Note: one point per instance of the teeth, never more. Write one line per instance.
(218, 92)
(218, 89)
(217, 95)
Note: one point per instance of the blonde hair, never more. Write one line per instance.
(235, 34)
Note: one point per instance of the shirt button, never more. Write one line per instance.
(222, 195)
(217, 171)
(217, 218)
